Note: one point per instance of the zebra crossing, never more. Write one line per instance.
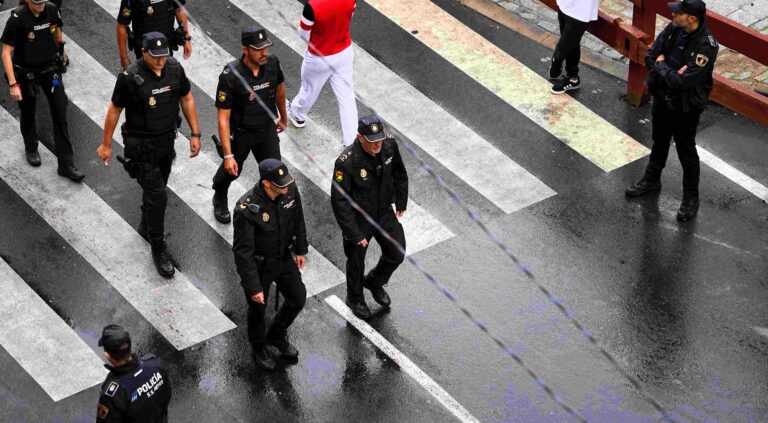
(176, 308)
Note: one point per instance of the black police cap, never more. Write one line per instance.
(371, 128)
(115, 340)
(156, 44)
(689, 7)
(275, 171)
(255, 37)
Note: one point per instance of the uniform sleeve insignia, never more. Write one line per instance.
(103, 411)
(265, 217)
(712, 41)
(339, 176)
(111, 389)
(702, 60)
(126, 12)
(389, 160)
(222, 95)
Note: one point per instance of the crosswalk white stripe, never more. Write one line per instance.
(203, 68)
(735, 175)
(501, 180)
(39, 340)
(408, 366)
(180, 312)
(91, 92)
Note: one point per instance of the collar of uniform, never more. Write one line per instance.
(150, 72)
(362, 159)
(263, 194)
(128, 367)
(42, 16)
(245, 70)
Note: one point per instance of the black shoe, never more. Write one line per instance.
(220, 210)
(287, 350)
(688, 208)
(565, 84)
(262, 359)
(69, 171)
(33, 158)
(380, 296)
(360, 309)
(555, 70)
(162, 259)
(641, 187)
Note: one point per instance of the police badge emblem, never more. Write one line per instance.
(265, 217)
(363, 173)
(280, 172)
(252, 96)
(150, 11)
(31, 36)
(375, 128)
(702, 60)
(152, 101)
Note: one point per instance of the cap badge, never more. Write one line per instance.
(265, 217)
(280, 172)
(150, 10)
(261, 36)
(375, 128)
(152, 101)
(159, 43)
(363, 173)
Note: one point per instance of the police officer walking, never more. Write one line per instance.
(372, 173)
(33, 59)
(681, 62)
(151, 16)
(136, 389)
(244, 125)
(270, 244)
(151, 91)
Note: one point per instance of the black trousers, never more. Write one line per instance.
(390, 260)
(153, 167)
(284, 272)
(568, 48)
(682, 126)
(264, 143)
(57, 100)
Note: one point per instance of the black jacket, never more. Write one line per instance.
(353, 172)
(266, 229)
(139, 391)
(691, 88)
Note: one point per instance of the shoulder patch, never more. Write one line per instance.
(112, 389)
(339, 176)
(702, 60)
(345, 155)
(103, 411)
(222, 96)
(712, 41)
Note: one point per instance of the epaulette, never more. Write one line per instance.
(248, 205)
(346, 154)
(712, 41)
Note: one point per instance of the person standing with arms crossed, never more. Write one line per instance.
(329, 55)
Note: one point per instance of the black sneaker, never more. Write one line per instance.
(162, 259)
(555, 70)
(688, 209)
(565, 84)
(286, 349)
(220, 210)
(641, 187)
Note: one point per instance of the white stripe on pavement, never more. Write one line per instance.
(181, 313)
(203, 68)
(39, 340)
(735, 175)
(404, 362)
(761, 331)
(501, 180)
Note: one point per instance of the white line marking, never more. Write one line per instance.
(404, 362)
(180, 312)
(735, 175)
(761, 331)
(39, 340)
(501, 180)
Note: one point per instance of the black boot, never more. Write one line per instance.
(287, 350)
(688, 208)
(220, 209)
(262, 359)
(162, 259)
(71, 172)
(360, 309)
(643, 186)
(378, 293)
(33, 158)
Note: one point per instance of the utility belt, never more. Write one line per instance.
(141, 147)
(236, 130)
(34, 77)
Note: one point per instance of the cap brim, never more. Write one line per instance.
(284, 181)
(375, 137)
(676, 7)
(262, 45)
(160, 52)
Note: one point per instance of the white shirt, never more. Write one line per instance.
(583, 10)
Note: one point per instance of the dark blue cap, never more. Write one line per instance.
(115, 340)
(255, 37)
(689, 7)
(275, 171)
(156, 44)
(371, 128)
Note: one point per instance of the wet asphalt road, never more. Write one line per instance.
(676, 304)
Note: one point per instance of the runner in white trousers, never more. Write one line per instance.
(325, 24)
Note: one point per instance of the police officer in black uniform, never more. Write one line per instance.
(244, 125)
(151, 16)
(151, 91)
(270, 244)
(681, 62)
(372, 173)
(33, 59)
(136, 389)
